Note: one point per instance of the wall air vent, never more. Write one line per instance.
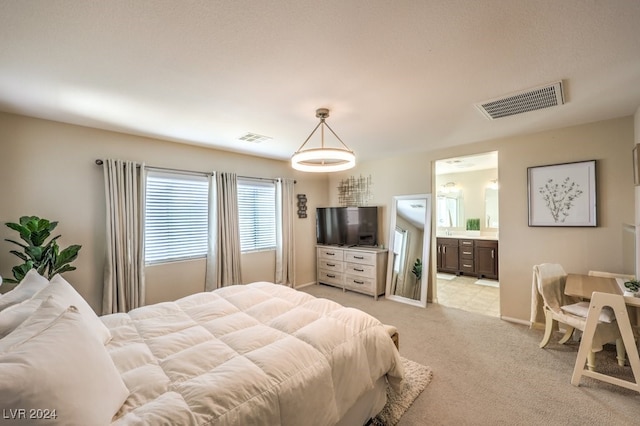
(528, 100)
(254, 138)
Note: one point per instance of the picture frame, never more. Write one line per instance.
(562, 194)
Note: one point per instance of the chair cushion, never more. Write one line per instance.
(581, 309)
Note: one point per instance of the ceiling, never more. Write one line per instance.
(468, 163)
(398, 77)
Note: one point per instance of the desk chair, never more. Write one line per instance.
(549, 281)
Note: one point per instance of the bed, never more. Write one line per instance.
(247, 354)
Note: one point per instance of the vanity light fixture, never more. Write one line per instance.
(323, 159)
(449, 187)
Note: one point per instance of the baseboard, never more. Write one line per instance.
(305, 285)
(516, 320)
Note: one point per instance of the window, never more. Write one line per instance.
(257, 214)
(176, 220)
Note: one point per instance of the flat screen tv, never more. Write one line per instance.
(347, 226)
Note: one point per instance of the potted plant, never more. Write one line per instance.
(632, 287)
(473, 226)
(417, 269)
(38, 253)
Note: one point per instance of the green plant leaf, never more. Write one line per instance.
(21, 270)
(68, 255)
(62, 270)
(22, 256)
(38, 254)
(17, 243)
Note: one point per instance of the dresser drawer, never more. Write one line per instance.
(356, 256)
(361, 284)
(331, 265)
(330, 254)
(360, 270)
(330, 277)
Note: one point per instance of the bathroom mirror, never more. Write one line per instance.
(491, 208)
(449, 208)
(409, 244)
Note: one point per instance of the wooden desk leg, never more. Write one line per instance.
(616, 302)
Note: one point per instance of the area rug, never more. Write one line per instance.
(416, 379)
(447, 277)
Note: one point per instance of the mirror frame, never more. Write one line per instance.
(426, 248)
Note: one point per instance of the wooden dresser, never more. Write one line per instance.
(361, 269)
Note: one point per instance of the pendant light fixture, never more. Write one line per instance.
(323, 159)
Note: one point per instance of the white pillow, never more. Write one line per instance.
(60, 366)
(66, 295)
(48, 310)
(15, 315)
(581, 309)
(30, 285)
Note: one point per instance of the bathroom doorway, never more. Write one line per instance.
(467, 230)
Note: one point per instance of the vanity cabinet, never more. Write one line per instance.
(486, 256)
(448, 257)
(467, 261)
(467, 256)
(359, 269)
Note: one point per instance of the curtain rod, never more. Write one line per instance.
(99, 162)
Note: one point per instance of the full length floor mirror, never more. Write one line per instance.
(409, 244)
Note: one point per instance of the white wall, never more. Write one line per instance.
(577, 249)
(48, 169)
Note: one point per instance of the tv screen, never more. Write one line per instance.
(347, 226)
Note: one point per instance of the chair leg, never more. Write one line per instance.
(548, 328)
(621, 353)
(591, 361)
(567, 335)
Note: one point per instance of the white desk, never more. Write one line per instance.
(619, 304)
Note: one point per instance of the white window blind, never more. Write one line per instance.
(176, 218)
(257, 214)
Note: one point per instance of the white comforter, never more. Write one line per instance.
(256, 354)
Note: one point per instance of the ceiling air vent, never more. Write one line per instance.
(524, 101)
(254, 138)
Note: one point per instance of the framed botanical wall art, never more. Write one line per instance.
(562, 194)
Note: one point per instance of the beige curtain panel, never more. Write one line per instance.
(285, 248)
(124, 267)
(227, 257)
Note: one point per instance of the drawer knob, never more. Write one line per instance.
(331, 264)
(359, 270)
(331, 276)
(358, 257)
(358, 282)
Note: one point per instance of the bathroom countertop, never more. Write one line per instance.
(469, 237)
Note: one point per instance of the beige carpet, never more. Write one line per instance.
(417, 377)
(492, 372)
